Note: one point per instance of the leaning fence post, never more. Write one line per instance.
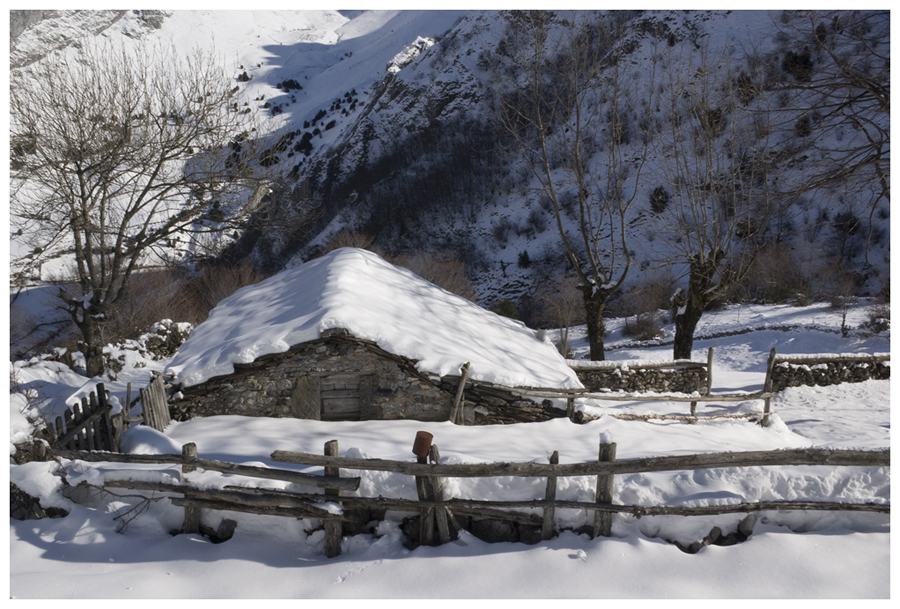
(550, 512)
(191, 514)
(437, 486)
(458, 415)
(333, 530)
(602, 519)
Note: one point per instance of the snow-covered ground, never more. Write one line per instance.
(91, 553)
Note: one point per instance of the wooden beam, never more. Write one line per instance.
(604, 492)
(549, 496)
(334, 532)
(474, 506)
(437, 485)
(252, 471)
(795, 456)
(191, 512)
(458, 399)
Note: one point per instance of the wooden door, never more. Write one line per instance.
(340, 397)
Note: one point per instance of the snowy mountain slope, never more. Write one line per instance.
(410, 155)
(312, 52)
(417, 165)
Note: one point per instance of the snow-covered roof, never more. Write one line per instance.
(375, 300)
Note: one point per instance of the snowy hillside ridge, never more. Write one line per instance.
(375, 300)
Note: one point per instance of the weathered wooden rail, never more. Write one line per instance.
(437, 520)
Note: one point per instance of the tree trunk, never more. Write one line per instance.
(685, 324)
(92, 345)
(690, 306)
(594, 305)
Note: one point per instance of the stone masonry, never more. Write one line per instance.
(376, 385)
(274, 385)
(641, 380)
(786, 374)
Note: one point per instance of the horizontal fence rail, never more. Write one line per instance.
(251, 471)
(795, 456)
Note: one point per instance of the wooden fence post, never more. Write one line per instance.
(90, 430)
(709, 375)
(105, 422)
(550, 512)
(570, 408)
(126, 411)
(424, 490)
(77, 420)
(191, 514)
(334, 532)
(437, 487)
(770, 365)
(605, 483)
(458, 415)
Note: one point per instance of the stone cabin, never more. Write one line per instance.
(351, 337)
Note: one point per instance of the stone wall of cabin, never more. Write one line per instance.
(274, 385)
(292, 384)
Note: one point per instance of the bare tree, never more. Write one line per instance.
(716, 159)
(568, 111)
(564, 308)
(835, 83)
(113, 156)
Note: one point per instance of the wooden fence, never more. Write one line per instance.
(570, 395)
(437, 513)
(155, 404)
(89, 425)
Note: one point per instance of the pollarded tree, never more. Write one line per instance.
(113, 154)
(568, 110)
(716, 158)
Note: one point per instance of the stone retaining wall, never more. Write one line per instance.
(787, 374)
(641, 380)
